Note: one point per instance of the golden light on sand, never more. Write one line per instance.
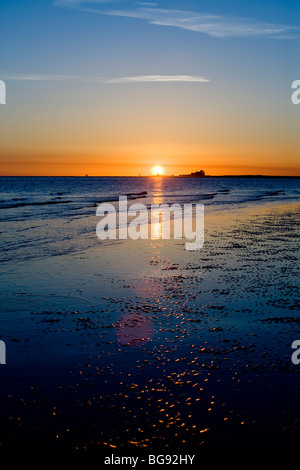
(157, 170)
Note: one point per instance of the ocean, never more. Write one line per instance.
(49, 216)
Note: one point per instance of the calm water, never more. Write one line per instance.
(47, 216)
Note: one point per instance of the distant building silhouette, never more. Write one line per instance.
(196, 174)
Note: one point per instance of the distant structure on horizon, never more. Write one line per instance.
(196, 174)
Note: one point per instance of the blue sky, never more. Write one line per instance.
(99, 76)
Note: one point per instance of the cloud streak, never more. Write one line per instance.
(51, 78)
(218, 26)
(90, 79)
(159, 78)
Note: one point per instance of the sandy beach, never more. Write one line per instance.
(142, 345)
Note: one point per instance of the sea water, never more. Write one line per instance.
(49, 216)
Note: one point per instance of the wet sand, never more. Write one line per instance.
(143, 346)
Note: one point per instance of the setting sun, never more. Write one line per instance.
(157, 170)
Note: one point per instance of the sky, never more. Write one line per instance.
(118, 87)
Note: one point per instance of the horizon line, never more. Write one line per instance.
(153, 176)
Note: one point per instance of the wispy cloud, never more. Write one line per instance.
(51, 78)
(146, 4)
(91, 79)
(219, 26)
(75, 3)
(159, 78)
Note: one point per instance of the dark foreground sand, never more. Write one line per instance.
(144, 346)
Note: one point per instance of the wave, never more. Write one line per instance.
(84, 202)
(142, 193)
(191, 197)
(24, 204)
(274, 193)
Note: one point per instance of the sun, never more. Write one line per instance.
(157, 170)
